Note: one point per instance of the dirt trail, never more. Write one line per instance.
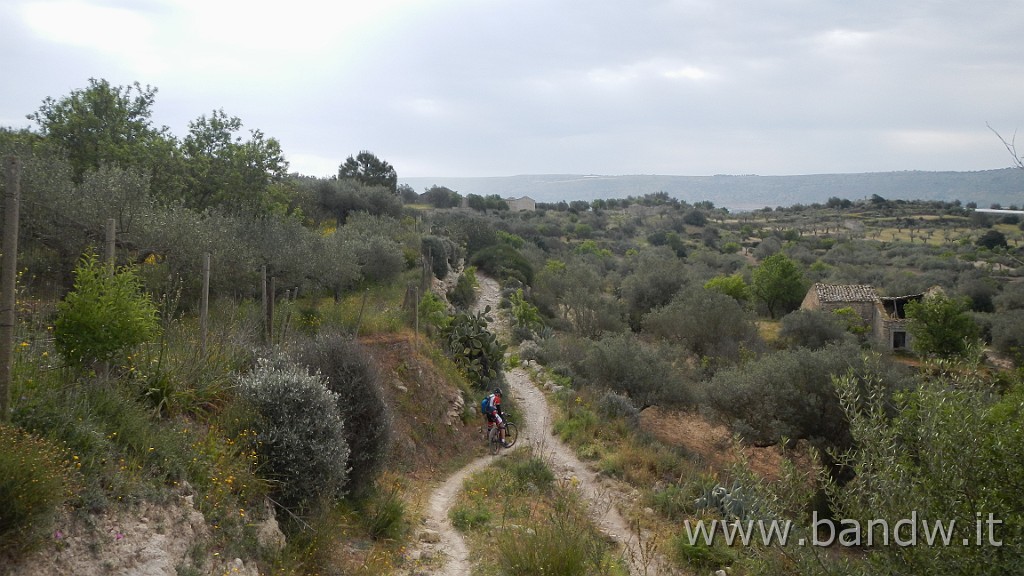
(441, 537)
(600, 495)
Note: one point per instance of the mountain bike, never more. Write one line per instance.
(493, 437)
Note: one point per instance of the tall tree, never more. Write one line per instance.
(105, 124)
(225, 170)
(369, 170)
(940, 325)
(778, 283)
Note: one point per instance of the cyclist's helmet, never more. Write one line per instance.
(497, 391)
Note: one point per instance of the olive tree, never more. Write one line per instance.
(778, 283)
(706, 323)
(656, 277)
(953, 456)
(790, 393)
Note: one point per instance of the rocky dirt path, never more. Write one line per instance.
(440, 537)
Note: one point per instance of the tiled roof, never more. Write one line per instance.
(845, 293)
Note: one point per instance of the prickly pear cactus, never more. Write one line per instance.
(732, 503)
(475, 348)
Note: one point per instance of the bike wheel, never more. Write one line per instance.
(494, 441)
(511, 433)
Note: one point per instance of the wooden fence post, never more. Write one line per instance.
(271, 296)
(204, 302)
(359, 319)
(111, 252)
(8, 283)
(263, 287)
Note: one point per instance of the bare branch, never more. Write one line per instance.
(1011, 146)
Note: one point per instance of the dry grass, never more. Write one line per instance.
(769, 330)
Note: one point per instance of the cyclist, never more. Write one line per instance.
(491, 407)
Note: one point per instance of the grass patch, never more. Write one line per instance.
(769, 330)
(384, 511)
(121, 449)
(495, 497)
(174, 377)
(375, 310)
(676, 501)
(669, 482)
(36, 478)
(558, 539)
(701, 556)
(580, 425)
(142, 430)
(520, 521)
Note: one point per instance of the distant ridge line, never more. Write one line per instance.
(749, 192)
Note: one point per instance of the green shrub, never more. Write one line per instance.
(1008, 335)
(624, 363)
(529, 473)
(438, 250)
(105, 315)
(380, 259)
(300, 433)
(503, 262)
(675, 501)
(812, 329)
(385, 514)
(352, 375)
(733, 285)
(954, 454)
(463, 295)
(525, 316)
(657, 275)
(529, 350)
(710, 324)
(778, 283)
(35, 479)
(790, 393)
(852, 321)
(580, 425)
(614, 405)
(700, 556)
(433, 313)
(940, 325)
(466, 518)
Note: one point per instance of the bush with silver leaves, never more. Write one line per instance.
(300, 432)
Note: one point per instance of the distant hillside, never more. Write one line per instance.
(986, 187)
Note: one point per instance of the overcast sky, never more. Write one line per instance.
(505, 87)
